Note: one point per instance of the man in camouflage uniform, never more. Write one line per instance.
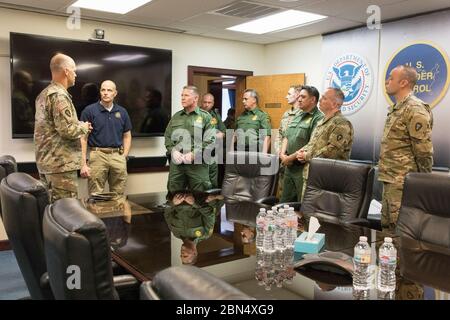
(406, 143)
(216, 121)
(109, 142)
(57, 132)
(333, 136)
(250, 123)
(191, 218)
(188, 133)
(292, 99)
(296, 136)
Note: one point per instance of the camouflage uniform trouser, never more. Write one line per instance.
(61, 185)
(193, 176)
(392, 198)
(107, 166)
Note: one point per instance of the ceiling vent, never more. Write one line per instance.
(248, 10)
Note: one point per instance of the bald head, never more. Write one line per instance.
(207, 102)
(109, 83)
(108, 92)
(60, 62)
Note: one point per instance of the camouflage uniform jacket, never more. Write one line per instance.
(57, 131)
(406, 143)
(284, 122)
(332, 138)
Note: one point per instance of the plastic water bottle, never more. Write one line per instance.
(260, 229)
(361, 262)
(292, 225)
(280, 230)
(269, 250)
(387, 263)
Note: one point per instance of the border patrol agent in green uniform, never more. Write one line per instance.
(188, 133)
(57, 132)
(406, 144)
(333, 136)
(249, 124)
(296, 136)
(216, 121)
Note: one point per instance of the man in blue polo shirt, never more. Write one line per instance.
(109, 142)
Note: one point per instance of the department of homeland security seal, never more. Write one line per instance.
(431, 64)
(352, 74)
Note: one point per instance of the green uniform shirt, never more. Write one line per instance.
(181, 128)
(57, 131)
(250, 122)
(217, 121)
(300, 128)
(193, 222)
(332, 138)
(406, 143)
(284, 122)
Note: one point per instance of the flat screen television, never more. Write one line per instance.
(143, 77)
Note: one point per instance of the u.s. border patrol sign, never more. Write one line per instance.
(352, 74)
(431, 64)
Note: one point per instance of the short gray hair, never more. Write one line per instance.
(59, 62)
(254, 94)
(194, 89)
(338, 95)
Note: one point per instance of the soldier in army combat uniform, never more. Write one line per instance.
(57, 132)
(188, 133)
(406, 143)
(333, 136)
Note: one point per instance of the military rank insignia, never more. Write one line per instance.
(418, 126)
(117, 115)
(255, 117)
(199, 119)
(198, 233)
(308, 121)
(213, 121)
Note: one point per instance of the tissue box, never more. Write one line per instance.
(313, 246)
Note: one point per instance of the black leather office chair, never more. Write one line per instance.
(8, 165)
(377, 194)
(189, 283)
(249, 184)
(75, 237)
(338, 190)
(23, 201)
(424, 228)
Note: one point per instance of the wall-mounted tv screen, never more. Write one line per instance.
(143, 77)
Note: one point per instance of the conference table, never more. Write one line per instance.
(142, 243)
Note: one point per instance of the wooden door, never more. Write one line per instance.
(272, 90)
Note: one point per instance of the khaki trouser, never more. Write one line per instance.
(111, 167)
(392, 198)
(61, 185)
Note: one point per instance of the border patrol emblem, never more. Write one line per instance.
(431, 64)
(353, 75)
(255, 117)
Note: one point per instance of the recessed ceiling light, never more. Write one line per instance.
(114, 6)
(277, 22)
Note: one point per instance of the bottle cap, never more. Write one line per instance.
(388, 239)
(262, 210)
(286, 206)
(363, 238)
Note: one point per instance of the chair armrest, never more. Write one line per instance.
(270, 200)
(127, 286)
(146, 292)
(358, 221)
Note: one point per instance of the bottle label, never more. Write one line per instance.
(365, 258)
(388, 260)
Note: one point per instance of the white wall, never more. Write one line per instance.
(296, 56)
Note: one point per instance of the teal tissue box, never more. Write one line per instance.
(313, 246)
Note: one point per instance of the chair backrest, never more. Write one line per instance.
(249, 176)
(424, 228)
(77, 241)
(9, 164)
(191, 283)
(336, 189)
(23, 200)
